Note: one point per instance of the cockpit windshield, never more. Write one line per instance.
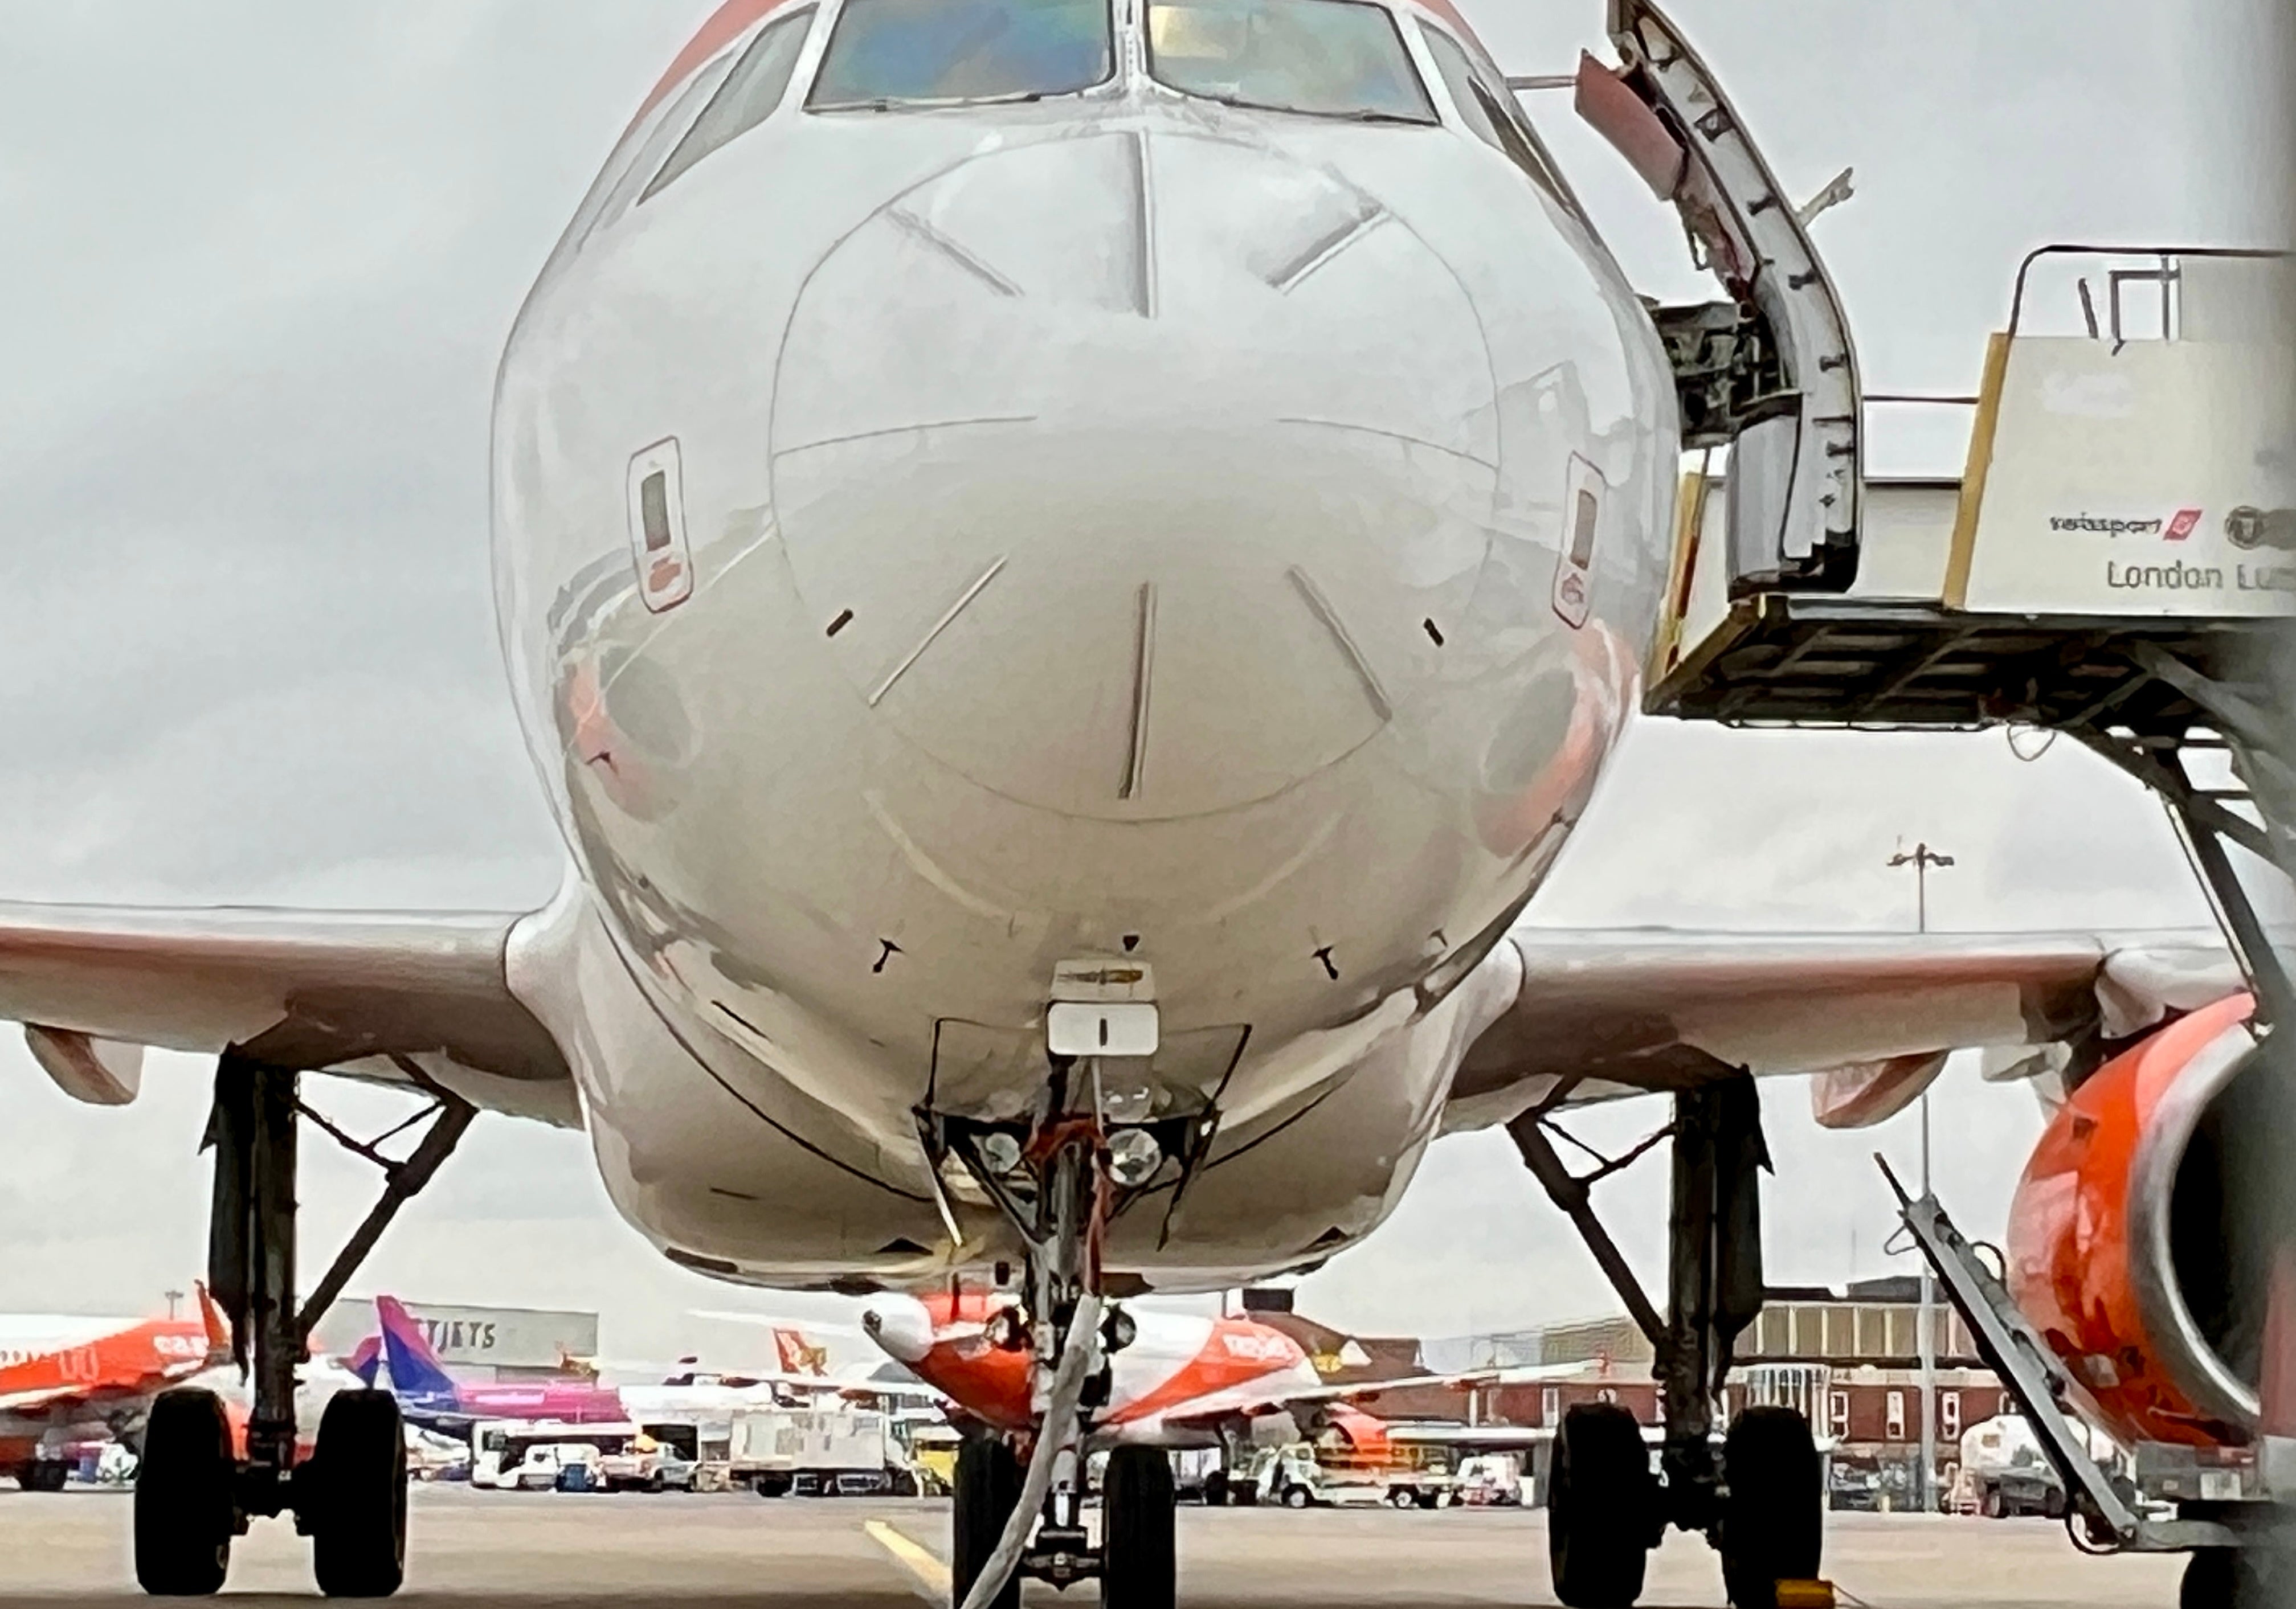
(1330, 58)
(888, 51)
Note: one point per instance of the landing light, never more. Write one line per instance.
(1001, 1153)
(1132, 1157)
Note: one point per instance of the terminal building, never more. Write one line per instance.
(480, 1344)
(1849, 1360)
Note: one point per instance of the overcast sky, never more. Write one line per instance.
(256, 261)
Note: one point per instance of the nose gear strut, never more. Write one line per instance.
(1072, 1331)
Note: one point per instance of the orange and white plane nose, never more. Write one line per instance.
(901, 1326)
(1123, 472)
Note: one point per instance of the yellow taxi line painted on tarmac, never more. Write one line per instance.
(932, 1575)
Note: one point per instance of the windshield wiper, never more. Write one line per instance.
(1359, 114)
(1027, 97)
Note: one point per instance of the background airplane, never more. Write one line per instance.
(1177, 1379)
(66, 1379)
(429, 1396)
(400, 1358)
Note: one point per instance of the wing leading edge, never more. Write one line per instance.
(1641, 1010)
(401, 997)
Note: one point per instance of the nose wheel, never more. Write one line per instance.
(1139, 1552)
(988, 1487)
(1014, 1521)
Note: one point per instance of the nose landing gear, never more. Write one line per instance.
(1013, 1522)
(194, 1493)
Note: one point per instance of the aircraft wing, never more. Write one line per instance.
(1611, 1014)
(398, 997)
(1267, 1396)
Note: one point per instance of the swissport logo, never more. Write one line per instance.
(2178, 528)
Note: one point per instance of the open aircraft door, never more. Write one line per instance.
(1771, 374)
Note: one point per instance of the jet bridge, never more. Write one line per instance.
(2116, 562)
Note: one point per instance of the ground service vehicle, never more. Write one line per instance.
(1297, 1476)
(811, 1451)
(1491, 1479)
(1291, 1477)
(2006, 1473)
(510, 1455)
(646, 1464)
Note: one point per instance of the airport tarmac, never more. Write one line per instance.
(735, 1549)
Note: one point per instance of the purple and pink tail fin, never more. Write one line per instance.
(415, 1372)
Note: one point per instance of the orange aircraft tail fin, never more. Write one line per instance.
(219, 1328)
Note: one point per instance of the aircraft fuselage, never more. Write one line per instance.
(937, 543)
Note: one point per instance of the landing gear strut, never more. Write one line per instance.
(194, 1494)
(1013, 1520)
(1760, 1503)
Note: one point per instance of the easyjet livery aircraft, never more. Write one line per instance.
(65, 1380)
(1069, 568)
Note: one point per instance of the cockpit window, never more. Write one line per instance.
(890, 52)
(1480, 105)
(1330, 58)
(752, 93)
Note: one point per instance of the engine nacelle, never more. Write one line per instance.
(2134, 1244)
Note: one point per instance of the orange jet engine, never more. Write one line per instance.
(2132, 1244)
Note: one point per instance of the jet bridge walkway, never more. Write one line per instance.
(2117, 563)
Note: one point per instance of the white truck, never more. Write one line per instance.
(811, 1452)
(2004, 1473)
(1294, 1478)
(650, 1461)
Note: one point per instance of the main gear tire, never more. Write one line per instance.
(1772, 1505)
(1602, 1508)
(358, 1476)
(186, 1515)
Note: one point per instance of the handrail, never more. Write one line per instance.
(2165, 253)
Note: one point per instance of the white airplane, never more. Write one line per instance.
(1068, 568)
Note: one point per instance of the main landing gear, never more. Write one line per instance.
(195, 1492)
(1762, 1503)
(1016, 1519)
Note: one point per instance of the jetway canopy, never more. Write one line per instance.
(2129, 510)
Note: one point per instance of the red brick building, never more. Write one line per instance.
(1849, 1359)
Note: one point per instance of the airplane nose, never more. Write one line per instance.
(1123, 471)
(901, 1327)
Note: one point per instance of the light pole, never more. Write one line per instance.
(172, 1297)
(1921, 858)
